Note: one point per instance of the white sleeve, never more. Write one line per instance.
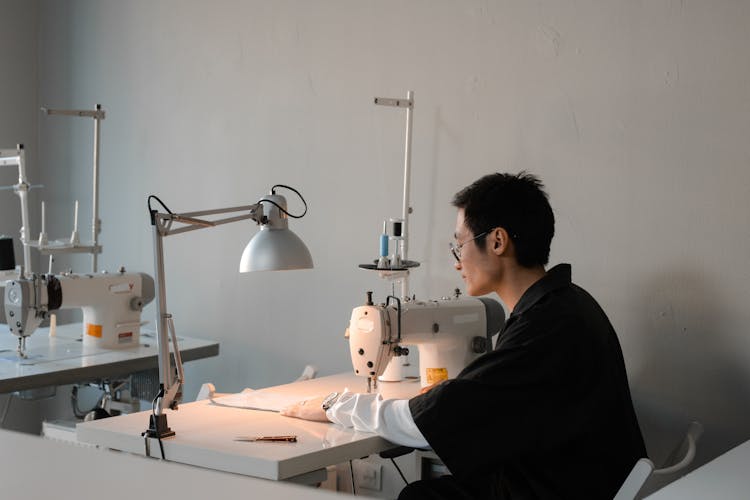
(390, 418)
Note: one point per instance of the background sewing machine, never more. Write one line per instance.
(109, 357)
(111, 304)
(449, 333)
(102, 354)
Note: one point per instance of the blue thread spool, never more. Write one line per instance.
(384, 242)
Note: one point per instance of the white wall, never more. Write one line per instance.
(18, 125)
(18, 109)
(635, 114)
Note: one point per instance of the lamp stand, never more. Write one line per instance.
(171, 377)
(295, 256)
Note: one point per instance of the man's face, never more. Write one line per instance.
(478, 267)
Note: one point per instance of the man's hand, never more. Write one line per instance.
(309, 409)
(430, 387)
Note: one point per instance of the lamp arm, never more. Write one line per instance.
(172, 395)
(171, 382)
(191, 221)
(168, 385)
(171, 377)
(218, 211)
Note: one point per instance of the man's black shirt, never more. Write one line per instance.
(548, 413)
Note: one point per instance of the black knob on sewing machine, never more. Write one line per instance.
(400, 351)
(479, 345)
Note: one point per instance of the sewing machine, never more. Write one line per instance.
(111, 305)
(449, 333)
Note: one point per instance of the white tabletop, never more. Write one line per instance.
(42, 468)
(724, 478)
(205, 433)
(63, 359)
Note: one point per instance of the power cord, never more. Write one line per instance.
(399, 471)
(273, 191)
(5, 410)
(153, 412)
(153, 196)
(146, 443)
(351, 471)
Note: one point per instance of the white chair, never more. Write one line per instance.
(644, 468)
(636, 479)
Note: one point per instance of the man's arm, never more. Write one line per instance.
(389, 418)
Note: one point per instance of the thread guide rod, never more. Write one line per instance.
(406, 210)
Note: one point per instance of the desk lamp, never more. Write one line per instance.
(275, 247)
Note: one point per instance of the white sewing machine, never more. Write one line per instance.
(111, 305)
(450, 333)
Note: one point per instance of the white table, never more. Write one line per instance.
(33, 467)
(724, 478)
(62, 359)
(205, 433)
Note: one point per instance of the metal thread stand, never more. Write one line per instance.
(16, 158)
(393, 370)
(406, 210)
(98, 114)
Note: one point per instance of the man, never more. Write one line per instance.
(547, 414)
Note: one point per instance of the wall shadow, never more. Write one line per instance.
(691, 364)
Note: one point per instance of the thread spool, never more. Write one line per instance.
(397, 226)
(53, 325)
(383, 262)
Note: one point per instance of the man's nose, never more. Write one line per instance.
(457, 265)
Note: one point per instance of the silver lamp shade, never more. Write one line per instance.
(275, 247)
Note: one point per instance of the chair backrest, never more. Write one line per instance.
(693, 434)
(644, 468)
(635, 480)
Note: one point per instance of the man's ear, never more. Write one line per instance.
(499, 240)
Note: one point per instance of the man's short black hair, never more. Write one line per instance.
(518, 204)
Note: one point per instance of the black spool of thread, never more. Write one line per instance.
(397, 228)
(7, 257)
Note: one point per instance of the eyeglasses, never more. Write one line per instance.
(456, 249)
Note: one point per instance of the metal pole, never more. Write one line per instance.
(23, 194)
(407, 186)
(162, 320)
(96, 223)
